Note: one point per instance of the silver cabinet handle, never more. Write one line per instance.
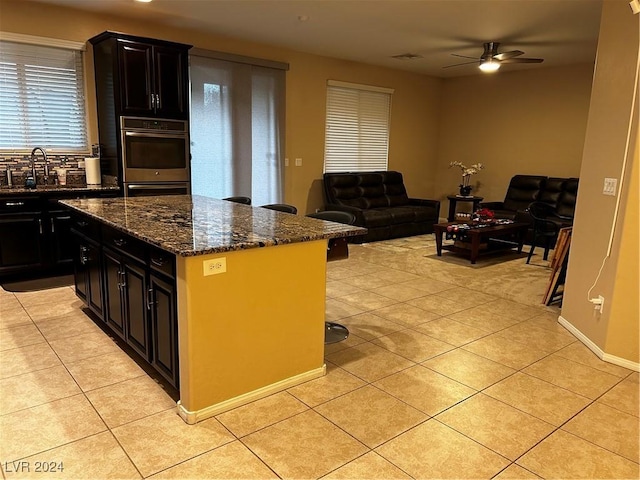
(53, 225)
(120, 242)
(158, 103)
(153, 101)
(83, 255)
(157, 262)
(40, 226)
(14, 204)
(150, 298)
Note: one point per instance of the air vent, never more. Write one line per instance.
(407, 56)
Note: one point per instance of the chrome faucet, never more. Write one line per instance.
(33, 164)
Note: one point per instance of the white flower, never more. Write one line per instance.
(466, 171)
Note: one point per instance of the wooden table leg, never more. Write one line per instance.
(521, 234)
(438, 233)
(475, 246)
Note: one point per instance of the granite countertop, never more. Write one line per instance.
(195, 225)
(48, 189)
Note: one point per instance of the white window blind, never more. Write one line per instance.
(41, 97)
(357, 127)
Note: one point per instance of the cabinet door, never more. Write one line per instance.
(94, 279)
(113, 280)
(134, 289)
(136, 81)
(88, 274)
(20, 242)
(80, 269)
(171, 82)
(164, 328)
(62, 248)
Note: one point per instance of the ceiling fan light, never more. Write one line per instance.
(489, 65)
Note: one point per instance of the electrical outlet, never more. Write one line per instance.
(286, 162)
(598, 303)
(298, 162)
(601, 306)
(214, 266)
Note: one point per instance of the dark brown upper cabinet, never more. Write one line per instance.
(137, 76)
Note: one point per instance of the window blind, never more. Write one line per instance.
(41, 97)
(357, 127)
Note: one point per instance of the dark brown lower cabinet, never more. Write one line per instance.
(164, 325)
(126, 300)
(88, 273)
(20, 242)
(132, 289)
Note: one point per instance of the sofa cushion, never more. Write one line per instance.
(523, 189)
(567, 201)
(394, 189)
(376, 217)
(402, 215)
(345, 189)
(550, 194)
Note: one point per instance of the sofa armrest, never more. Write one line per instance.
(492, 205)
(423, 202)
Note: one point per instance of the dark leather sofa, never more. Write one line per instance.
(380, 203)
(558, 193)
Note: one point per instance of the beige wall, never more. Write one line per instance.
(524, 122)
(608, 152)
(415, 102)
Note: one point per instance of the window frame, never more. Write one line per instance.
(83, 85)
(367, 99)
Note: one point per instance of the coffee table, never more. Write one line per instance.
(497, 237)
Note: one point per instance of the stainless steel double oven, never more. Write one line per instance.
(155, 156)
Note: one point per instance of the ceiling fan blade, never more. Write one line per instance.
(460, 64)
(506, 55)
(523, 60)
(463, 56)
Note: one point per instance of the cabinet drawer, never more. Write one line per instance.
(20, 205)
(163, 262)
(86, 226)
(123, 243)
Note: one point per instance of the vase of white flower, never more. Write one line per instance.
(465, 187)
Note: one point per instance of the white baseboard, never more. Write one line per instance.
(621, 362)
(192, 417)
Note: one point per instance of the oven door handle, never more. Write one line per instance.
(155, 186)
(166, 134)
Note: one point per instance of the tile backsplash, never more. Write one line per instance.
(19, 164)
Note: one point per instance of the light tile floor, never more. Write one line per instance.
(451, 371)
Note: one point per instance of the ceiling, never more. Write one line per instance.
(372, 31)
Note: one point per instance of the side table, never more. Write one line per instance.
(454, 199)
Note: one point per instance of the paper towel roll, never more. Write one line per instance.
(92, 169)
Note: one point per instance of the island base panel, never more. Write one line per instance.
(258, 327)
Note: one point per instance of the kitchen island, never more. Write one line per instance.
(248, 299)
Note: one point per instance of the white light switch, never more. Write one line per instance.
(298, 162)
(610, 186)
(286, 162)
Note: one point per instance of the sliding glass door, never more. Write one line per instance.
(237, 129)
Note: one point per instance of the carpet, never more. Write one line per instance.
(38, 284)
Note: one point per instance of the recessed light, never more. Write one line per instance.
(303, 18)
(143, 1)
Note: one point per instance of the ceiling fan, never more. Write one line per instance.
(491, 60)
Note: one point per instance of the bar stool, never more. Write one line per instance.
(242, 200)
(337, 249)
(281, 207)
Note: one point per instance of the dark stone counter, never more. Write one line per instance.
(195, 225)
